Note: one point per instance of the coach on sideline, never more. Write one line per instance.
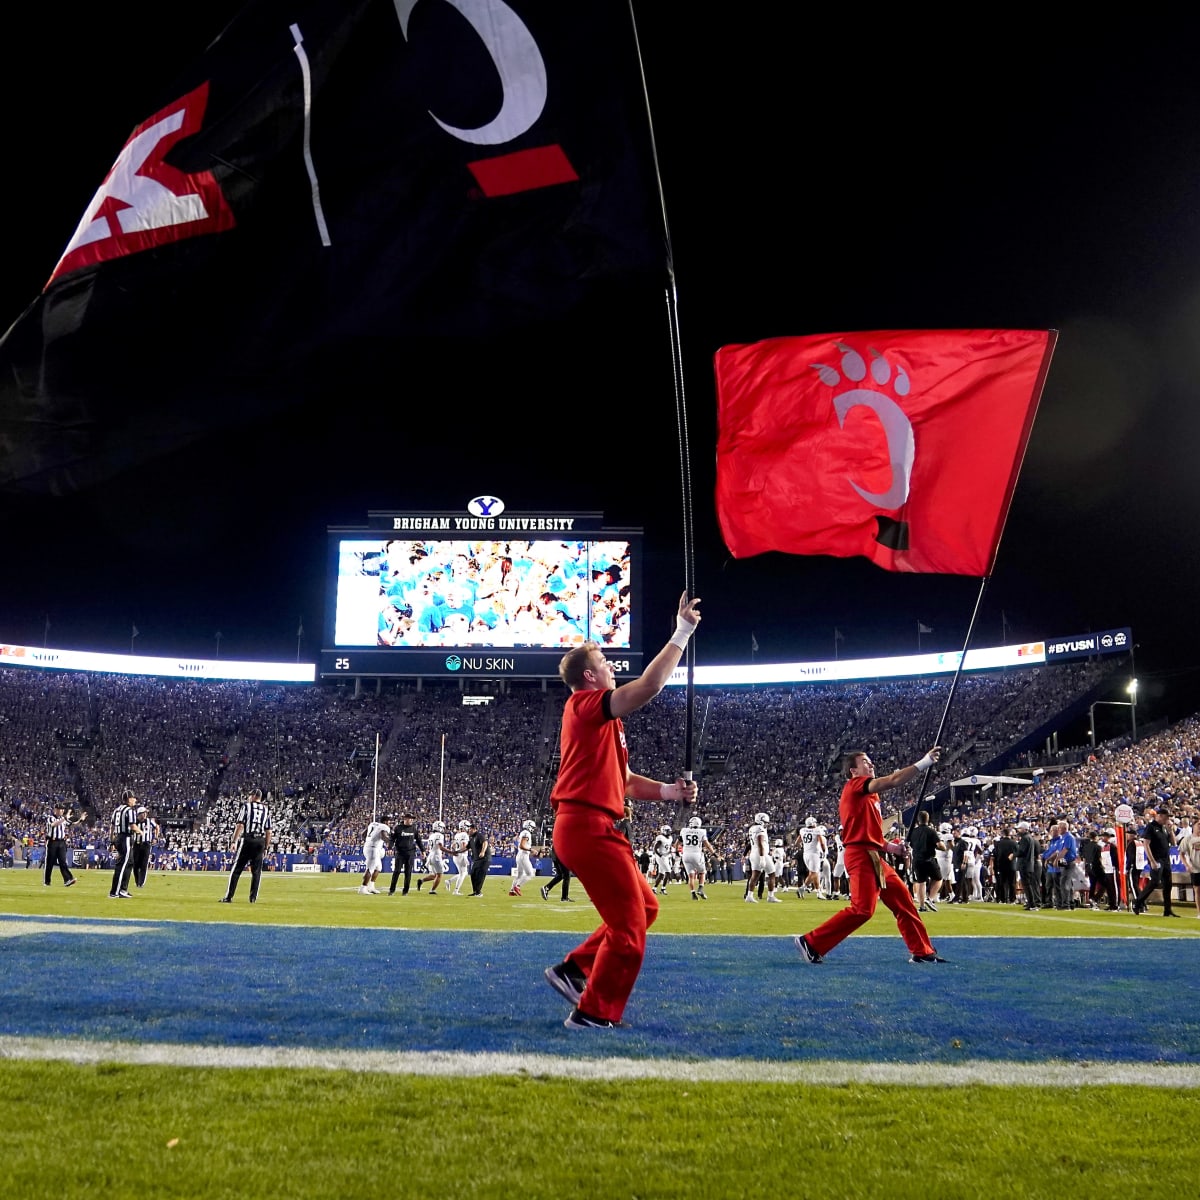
(254, 830)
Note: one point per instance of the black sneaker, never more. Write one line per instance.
(545, 893)
(567, 980)
(70, 882)
(419, 882)
(931, 905)
(806, 951)
(225, 900)
(921, 958)
(580, 1020)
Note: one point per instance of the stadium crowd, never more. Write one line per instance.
(191, 749)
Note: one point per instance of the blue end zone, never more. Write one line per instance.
(1010, 999)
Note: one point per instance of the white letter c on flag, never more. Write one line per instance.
(900, 443)
(518, 62)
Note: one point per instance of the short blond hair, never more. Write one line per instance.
(573, 664)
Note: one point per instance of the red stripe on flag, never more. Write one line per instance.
(523, 171)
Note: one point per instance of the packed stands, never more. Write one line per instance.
(191, 750)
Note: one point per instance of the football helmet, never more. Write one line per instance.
(810, 822)
(779, 841)
(530, 825)
(665, 831)
(944, 828)
(439, 826)
(464, 825)
(761, 818)
(693, 822)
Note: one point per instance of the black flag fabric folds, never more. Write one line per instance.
(332, 175)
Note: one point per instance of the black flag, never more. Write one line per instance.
(332, 175)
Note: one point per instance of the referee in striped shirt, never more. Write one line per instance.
(143, 844)
(56, 846)
(124, 826)
(254, 830)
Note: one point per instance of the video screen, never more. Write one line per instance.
(550, 593)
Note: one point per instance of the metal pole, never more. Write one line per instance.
(685, 467)
(442, 780)
(949, 699)
(375, 800)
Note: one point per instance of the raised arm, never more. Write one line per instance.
(905, 775)
(633, 695)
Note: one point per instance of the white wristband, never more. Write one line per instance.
(683, 631)
(923, 764)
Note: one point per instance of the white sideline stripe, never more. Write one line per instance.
(731, 1070)
(23, 928)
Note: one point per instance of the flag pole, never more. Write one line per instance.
(1051, 342)
(949, 700)
(685, 472)
(375, 798)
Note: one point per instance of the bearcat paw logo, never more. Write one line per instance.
(878, 393)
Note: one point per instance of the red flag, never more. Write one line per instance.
(902, 446)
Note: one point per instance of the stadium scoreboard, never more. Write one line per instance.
(482, 592)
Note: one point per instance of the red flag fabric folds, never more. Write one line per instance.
(902, 446)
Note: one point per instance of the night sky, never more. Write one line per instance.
(820, 175)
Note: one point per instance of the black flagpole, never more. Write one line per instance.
(685, 471)
(937, 741)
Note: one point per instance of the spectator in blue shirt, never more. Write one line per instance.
(1059, 855)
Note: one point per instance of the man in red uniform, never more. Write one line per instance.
(589, 799)
(871, 878)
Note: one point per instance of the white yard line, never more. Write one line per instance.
(459, 1065)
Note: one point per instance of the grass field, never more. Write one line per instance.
(322, 1042)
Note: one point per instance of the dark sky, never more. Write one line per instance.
(823, 175)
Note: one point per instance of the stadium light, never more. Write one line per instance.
(1130, 704)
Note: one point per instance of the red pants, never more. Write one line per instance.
(865, 894)
(586, 842)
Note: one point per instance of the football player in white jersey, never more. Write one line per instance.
(839, 865)
(525, 868)
(812, 847)
(826, 890)
(662, 858)
(777, 857)
(458, 854)
(695, 842)
(972, 861)
(762, 865)
(945, 860)
(378, 834)
(435, 862)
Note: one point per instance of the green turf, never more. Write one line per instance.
(73, 1130)
(332, 900)
(207, 1134)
